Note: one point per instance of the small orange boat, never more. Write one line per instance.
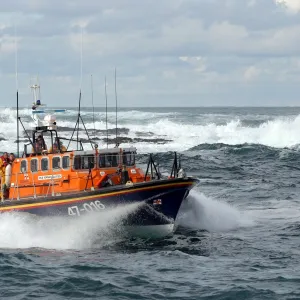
(74, 183)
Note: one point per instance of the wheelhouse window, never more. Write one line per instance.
(23, 166)
(44, 164)
(34, 165)
(66, 162)
(107, 160)
(84, 162)
(129, 158)
(56, 163)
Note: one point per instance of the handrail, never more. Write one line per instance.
(16, 185)
(51, 182)
(152, 166)
(34, 189)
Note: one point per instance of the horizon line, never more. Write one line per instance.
(202, 106)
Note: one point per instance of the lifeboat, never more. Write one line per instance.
(50, 179)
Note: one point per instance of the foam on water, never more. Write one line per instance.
(279, 132)
(201, 212)
(282, 211)
(22, 230)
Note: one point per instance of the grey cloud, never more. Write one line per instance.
(241, 43)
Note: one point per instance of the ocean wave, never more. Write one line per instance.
(239, 149)
(144, 129)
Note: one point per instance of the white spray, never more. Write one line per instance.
(201, 212)
(22, 230)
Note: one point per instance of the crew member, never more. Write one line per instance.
(62, 147)
(40, 145)
(11, 158)
(3, 163)
(124, 175)
(53, 149)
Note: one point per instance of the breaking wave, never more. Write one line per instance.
(171, 129)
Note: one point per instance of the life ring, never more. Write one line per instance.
(7, 175)
(129, 183)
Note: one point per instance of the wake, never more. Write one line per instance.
(23, 230)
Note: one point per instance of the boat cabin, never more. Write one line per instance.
(48, 166)
(54, 171)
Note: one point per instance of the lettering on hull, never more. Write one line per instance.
(93, 206)
(47, 177)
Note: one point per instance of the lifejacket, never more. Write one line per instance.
(51, 150)
(3, 164)
(63, 148)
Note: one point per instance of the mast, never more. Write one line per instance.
(18, 131)
(35, 88)
(36, 93)
(93, 104)
(106, 114)
(17, 88)
(80, 86)
(117, 144)
(79, 101)
(79, 118)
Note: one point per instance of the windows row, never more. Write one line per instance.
(57, 164)
(106, 160)
(81, 162)
(113, 160)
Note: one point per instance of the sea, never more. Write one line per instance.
(238, 233)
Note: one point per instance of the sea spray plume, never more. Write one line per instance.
(23, 230)
(201, 212)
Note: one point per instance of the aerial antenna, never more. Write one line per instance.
(93, 105)
(106, 114)
(80, 86)
(81, 51)
(17, 88)
(117, 144)
(79, 118)
(79, 103)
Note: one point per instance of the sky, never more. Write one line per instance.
(166, 53)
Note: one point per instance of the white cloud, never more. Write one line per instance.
(197, 63)
(292, 5)
(81, 22)
(251, 73)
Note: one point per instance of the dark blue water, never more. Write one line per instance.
(238, 233)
